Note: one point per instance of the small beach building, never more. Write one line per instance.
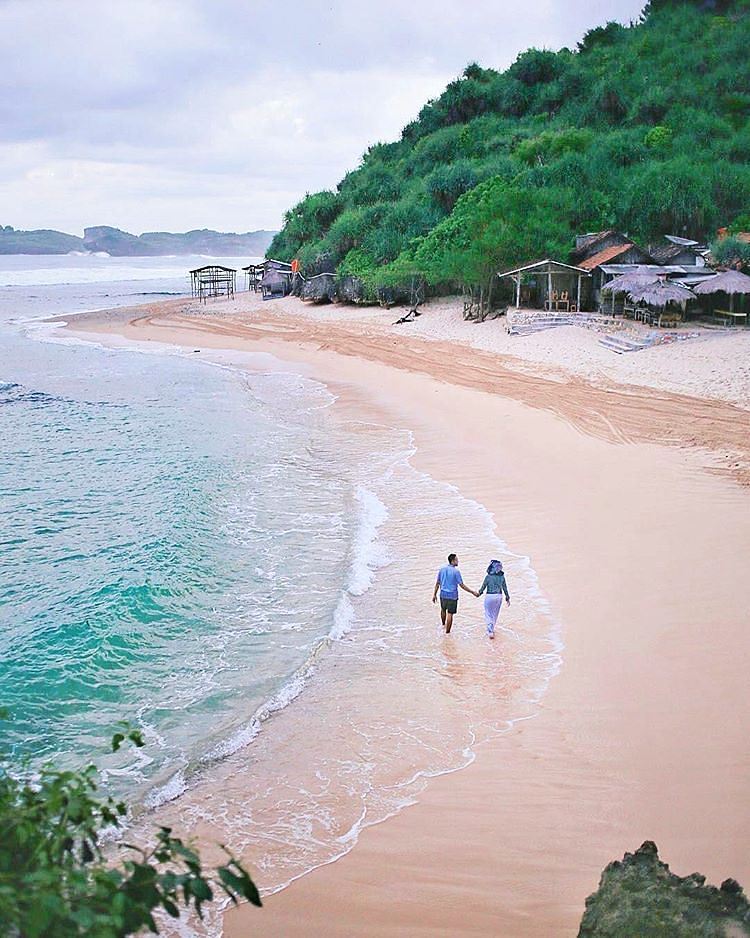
(548, 284)
(587, 245)
(276, 278)
(213, 280)
(275, 283)
(679, 251)
(595, 252)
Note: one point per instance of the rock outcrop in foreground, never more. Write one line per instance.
(638, 897)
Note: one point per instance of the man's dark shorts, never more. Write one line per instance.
(448, 605)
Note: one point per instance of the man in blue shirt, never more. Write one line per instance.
(448, 581)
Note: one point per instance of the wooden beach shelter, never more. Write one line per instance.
(555, 283)
(253, 276)
(661, 293)
(212, 280)
(731, 283)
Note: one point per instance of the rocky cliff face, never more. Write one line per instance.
(638, 897)
(320, 289)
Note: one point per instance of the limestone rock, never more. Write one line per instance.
(639, 896)
(320, 289)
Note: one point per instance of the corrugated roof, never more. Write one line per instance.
(684, 242)
(607, 254)
(617, 269)
(541, 264)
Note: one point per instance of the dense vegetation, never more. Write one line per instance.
(56, 881)
(643, 128)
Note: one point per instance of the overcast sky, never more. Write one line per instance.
(179, 114)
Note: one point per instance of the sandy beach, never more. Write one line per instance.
(624, 479)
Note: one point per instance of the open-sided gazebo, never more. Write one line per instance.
(548, 274)
(212, 280)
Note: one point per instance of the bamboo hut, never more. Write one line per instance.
(253, 276)
(649, 291)
(275, 283)
(627, 281)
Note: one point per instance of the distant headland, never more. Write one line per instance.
(113, 241)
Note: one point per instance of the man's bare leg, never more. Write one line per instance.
(448, 621)
(442, 617)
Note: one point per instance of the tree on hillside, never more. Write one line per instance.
(495, 226)
(732, 252)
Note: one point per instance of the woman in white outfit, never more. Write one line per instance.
(495, 586)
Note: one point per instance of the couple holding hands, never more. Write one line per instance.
(448, 581)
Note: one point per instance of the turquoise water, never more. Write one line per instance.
(155, 526)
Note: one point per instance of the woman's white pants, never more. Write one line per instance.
(492, 604)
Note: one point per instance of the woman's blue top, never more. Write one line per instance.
(494, 583)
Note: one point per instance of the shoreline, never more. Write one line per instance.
(579, 785)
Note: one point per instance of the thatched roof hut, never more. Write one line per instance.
(634, 278)
(660, 293)
(730, 282)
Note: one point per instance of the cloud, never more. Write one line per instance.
(180, 113)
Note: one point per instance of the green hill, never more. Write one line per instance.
(642, 128)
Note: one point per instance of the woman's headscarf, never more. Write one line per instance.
(495, 568)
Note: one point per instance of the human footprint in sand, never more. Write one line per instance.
(448, 581)
(495, 586)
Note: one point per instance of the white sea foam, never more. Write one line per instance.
(368, 554)
(281, 699)
(175, 787)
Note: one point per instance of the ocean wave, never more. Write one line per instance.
(281, 699)
(368, 554)
(58, 277)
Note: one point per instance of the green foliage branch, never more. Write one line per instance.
(57, 880)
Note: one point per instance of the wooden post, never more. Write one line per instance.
(518, 291)
(578, 297)
(549, 286)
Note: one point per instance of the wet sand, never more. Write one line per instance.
(633, 507)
